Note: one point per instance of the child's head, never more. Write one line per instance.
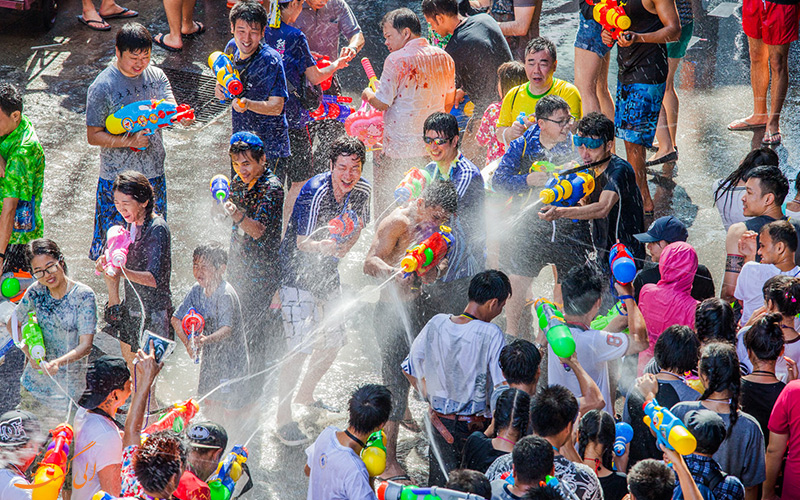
(370, 407)
(553, 411)
(159, 463)
(764, 340)
(708, 428)
(651, 480)
(677, 349)
(509, 75)
(533, 460)
(714, 321)
(209, 262)
(469, 481)
(597, 427)
(519, 361)
(511, 411)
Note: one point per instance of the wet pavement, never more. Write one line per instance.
(713, 88)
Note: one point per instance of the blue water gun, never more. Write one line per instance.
(148, 116)
(333, 108)
(624, 436)
(567, 190)
(220, 187)
(669, 429)
(463, 112)
(521, 118)
(223, 481)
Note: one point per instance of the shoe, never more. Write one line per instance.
(291, 435)
(95, 24)
(159, 40)
(771, 139)
(743, 126)
(664, 159)
(199, 31)
(125, 13)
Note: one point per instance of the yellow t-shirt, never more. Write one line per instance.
(524, 101)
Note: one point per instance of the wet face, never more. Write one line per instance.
(248, 168)
(539, 67)
(440, 146)
(432, 215)
(767, 249)
(247, 37)
(205, 273)
(47, 270)
(655, 248)
(754, 200)
(130, 209)
(345, 173)
(9, 122)
(394, 40)
(590, 155)
(132, 64)
(556, 127)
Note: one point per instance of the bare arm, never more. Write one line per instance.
(775, 452)
(145, 278)
(317, 75)
(688, 486)
(251, 227)
(639, 340)
(221, 334)
(597, 210)
(271, 107)
(82, 350)
(369, 96)
(733, 261)
(386, 238)
(146, 370)
(357, 41)
(521, 23)
(591, 397)
(7, 223)
(110, 479)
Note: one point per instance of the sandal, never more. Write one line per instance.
(159, 40)
(771, 139)
(669, 158)
(125, 13)
(744, 126)
(103, 26)
(199, 31)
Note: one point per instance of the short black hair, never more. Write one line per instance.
(469, 481)
(596, 124)
(344, 145)
(765, 337)
(135, 185)
(241, 147)
(651, 480)
(541, 43)
(488, 285)
(10, 98)
(133, 37)
(532, 457)
(444, 123)
(250, 12)
(213, 252)
(549, 104)
(401, 19)
(782, 231)
(441, 194)
(784, 292)
(714, 321)
(542, 493)
(678, 349)
(553, 408)
(519, 361)
(447, 8)
(772, 181)
(158, 460)
(512, 410)
(582, 288)
(370, 407)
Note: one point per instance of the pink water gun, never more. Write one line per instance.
(366, 123)
(118, 239)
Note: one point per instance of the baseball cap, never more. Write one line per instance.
(667, 228)
(106, 374)
(207, 435)
(17, 427)
(708, 429)
(248, 138)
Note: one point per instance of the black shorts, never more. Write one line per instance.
(299, 166)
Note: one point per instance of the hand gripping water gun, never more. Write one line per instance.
(14, 284)
(374, 454)
(623, 268)
(227, 76)
(343, 226)
(668, 428)
(463, 112)
(551, 321)
(223, 481)
(366, 124)
(49, 475)
(544, 166)
(624, 436)
(567, 190)
(193, 323)
(220, 187)
(147, 115)
(422, 257)
(333, 108)
(388, 490)
(611, 16)
(412, 185)
(176, 418)
(33, 339)
(118, 239)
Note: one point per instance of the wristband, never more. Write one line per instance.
(240, 220)
(2, 256)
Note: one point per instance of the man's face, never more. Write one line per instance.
(248, 168)
(556, 127)
(9, 122)
(316, 4)
(539, 67)
(345, 173)
(132, 64)
(246, 36)
(437, 26)
(655, 248)
(767, 249)
(432, 215)
(594, 149)
(438, 152)
(754, 200)
(395, 40)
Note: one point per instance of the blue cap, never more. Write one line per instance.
(668, 228)
(248, 138)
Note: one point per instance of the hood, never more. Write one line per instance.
(678, 265)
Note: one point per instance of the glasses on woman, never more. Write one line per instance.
(52, 268)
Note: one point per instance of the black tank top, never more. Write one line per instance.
(642, 62)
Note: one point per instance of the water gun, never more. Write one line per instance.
(373, 78)
(227, 76)
(366, 123)
(551, 321)
(669, 429)
(567, 190)
(343, 226)
(223, 481)
(333, 108)
(624, 436)
(33, 338)
(274, 15)
(463, 112)
(388, 490)
(611, 16)
(193, 323)
(324, 62)
(118, 240)
(14, 284)
(623, 268)
(422, 257)
(374, 454)
(49, 476)
(543, 166)
(521, 118)
(220, 187)
(412, 185)
(176, 418)
(601, 322)
(147, 115)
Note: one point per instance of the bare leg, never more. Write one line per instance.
(89, 12)
(393, 467)
(779, 70)
(521, 285)
(318, 366)
(759, 80)
(174, 11)
(668, 117)
(108, 7)
(287, 379)
(606, 102)
(635, 155)
(187, 17)
(588, 66)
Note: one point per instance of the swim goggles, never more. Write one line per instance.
(589, 142)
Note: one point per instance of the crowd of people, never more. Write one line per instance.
(507, 417)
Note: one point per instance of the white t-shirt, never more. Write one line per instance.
(595, 349)
(8, 491)
(791, 351)
(99, 442)
(337, 473)
(730, 205)
(750, 282)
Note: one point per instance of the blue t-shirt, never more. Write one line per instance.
(292, 45)
(262, 76)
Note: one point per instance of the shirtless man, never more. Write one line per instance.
(402, 228)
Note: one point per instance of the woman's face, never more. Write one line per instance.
(130, 209)
(48, 271)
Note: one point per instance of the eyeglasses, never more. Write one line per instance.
(589, 142)
(49, 270)
(248, 138)
(561, 123)
(436, 140)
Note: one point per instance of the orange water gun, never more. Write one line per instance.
(423, 257)
(52, 469)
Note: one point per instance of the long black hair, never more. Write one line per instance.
(597, 426)
(512, 410)
(44, 246)
(720, 365)
(755, 158)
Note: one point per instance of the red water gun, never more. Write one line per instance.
(323, 62)
(343, 226)
(423, 257)
(611, 16)
(193, 323)
(176, 418)
(50, 474)
(333, 108)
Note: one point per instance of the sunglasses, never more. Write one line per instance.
(436, 140)
(248, 138)
(589, 142)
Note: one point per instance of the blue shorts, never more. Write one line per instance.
(588, 37)
(106, 215)
(636, 116)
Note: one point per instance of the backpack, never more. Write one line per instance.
(706, 486)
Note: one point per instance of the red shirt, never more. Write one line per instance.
(192, 487)
(785, 419)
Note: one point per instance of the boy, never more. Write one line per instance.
(334, 465)
(532, 460)
(220, 343)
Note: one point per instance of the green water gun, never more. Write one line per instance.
(374, 454)
(552, 323)
(544, 166)
(602, 322)
(33, 338)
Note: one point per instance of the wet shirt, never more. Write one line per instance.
(511, 175)
(520, 99)
(642, 62)
(292, 46)
(97, 445)
(109, 92)
(337, 473)
(486, 135)
(263, 77)
(23, 180)
(8, 489)
(323, 26)
(151, 251)
(312, 213)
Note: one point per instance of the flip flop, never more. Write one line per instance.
(664, 159)
(743, 126)
(199, 31)
(396, 479)
(160, 42)
(88, 23)
(123, 14)
(771, 139)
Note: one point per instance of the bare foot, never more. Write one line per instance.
(394, 472)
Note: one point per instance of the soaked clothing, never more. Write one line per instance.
(151, 251)
(336, 471)
(23, 180)
(323, 26)
(579, 478)
(637, 109)
(642, 62)
(296, 57)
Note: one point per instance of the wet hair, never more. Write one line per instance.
(511, 74)
(401, 19)
(597, 125)
(488, 285)
(136, 185)
(771, 180)
(241, 147)
(369, 407)
(133, 37)
(651, 480)
(782, 231)
(532, 457)
(469, 481)
(677, 348)
(249, 11)
(755, 158)
(444, 123)
(447, 8)
(549, 104)
(784, 292)
(441, 194)
(158, 460)
(213, 252)
(582, 288)
(720, 365)
(553, 408)
(344, 145)
(765, 338)
(512, 409)
(541, 43)
(44, 246)
(597, 426)
(542, 493)
(10, 99)
(519, 361)
(714, 321)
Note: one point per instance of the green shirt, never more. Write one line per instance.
(24, 179)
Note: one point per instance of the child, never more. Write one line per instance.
(220, 343)
(509, 75)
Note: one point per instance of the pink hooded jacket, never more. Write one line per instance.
(669, 302)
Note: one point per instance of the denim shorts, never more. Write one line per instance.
(588, 37)
(637, 108)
